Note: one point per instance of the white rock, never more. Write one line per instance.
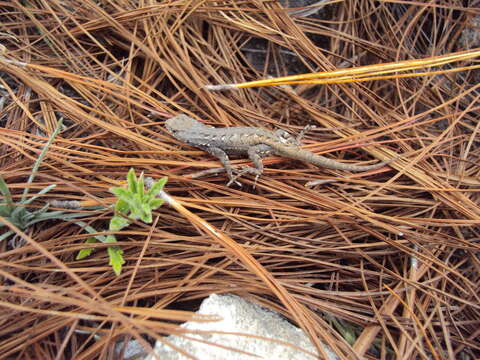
(239, 316)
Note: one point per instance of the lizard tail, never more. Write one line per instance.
(322, 161)
(332, 164)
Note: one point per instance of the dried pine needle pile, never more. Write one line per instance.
(392, 253)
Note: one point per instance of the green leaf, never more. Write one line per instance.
(6, 235)
(38, 216)
(122, 193)
(91, 230)
(141, 187)
(156, 203)
(116, 259)
(5, 210)
(128, 198)
(18, 217)
(138, 199)
(41, 192)
(117, 223)
(156, 187)
(132, 181)
(147, 218)
(5, 191)
(82, 254)
(43, 210)
(146, 214)
(136, 211)
(110, 239)
(39, 160)
(58, 214)
(122, 207)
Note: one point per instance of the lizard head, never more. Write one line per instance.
(182, 123)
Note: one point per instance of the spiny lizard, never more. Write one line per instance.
(256, 143)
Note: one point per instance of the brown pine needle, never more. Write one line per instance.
(364, 73)
(402, 83)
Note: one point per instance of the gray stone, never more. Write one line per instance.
(240, 316)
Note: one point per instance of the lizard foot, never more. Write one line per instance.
(302, 133)
(233, 180)
(242, 171)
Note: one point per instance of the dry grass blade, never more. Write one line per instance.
(323, 256)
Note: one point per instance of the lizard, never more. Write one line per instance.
(255, 142)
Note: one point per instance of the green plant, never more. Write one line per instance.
(134, 203)
(18, 213)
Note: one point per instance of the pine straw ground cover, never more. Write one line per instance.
(381, 264)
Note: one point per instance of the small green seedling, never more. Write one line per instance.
(134, 203)
(18, 213)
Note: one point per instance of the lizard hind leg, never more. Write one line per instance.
(223, 157)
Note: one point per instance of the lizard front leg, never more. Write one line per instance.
(223, 157)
